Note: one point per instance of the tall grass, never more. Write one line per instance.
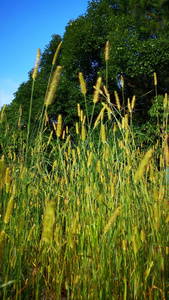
(94, 226)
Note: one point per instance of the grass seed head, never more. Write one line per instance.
(56, 53)
(78, 110)
(134, 243)
(142, 235)
(46, 118)
(112, 219)
(103, 133)
(117, 100)
(30, 233)
(9, 208)
(106, 152)
(122, 81)
(143, 164)
(59, 126)
(49, 98)
(35, 70)
(77, 128)
(133, 102)
(106, 93)
(81, 116)
(82, 84)
(83, 133)
(155, 79)
(7, 179)
(124, 245)
(97, 90)
(129, 105)
(107, 50)
(2, 171)
(3, 113)
(99, 117)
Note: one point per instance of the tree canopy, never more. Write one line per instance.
(138, 34)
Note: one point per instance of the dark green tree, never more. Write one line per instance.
(138, 35)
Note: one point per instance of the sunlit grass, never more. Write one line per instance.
(91, 219)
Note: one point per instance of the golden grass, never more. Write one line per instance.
(35, 70)
(107, 50)
(82, 84)
(143, 164)
(97, 90)
(53, 86)
(56, 54)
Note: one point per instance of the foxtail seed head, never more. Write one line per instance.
(59, 126)
(143, 164)
(103, 133)
(46, 117)
(82, 84)
(99, 117)
(9, 210)
(107, 51)
(30, 233)
(56, 53)
(125, 122)
(35, 71)
(134, 243)
(2, 171)
(77, 128)
(108, 110)
(78, 110)
(133, 102)
(117, 100)
(142, 235)
(129, 106)
(107, 94)
(122, 81)
(7, 179)
(124, 245)
(83, 133)
(155, 79)
(53, 86)
(112, 219)
(97, 90)
(2, 113)
(10, 205)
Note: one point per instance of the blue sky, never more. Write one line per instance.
(25, 26)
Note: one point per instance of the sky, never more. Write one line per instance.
(25, 26)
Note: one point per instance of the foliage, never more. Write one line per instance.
(138, 35)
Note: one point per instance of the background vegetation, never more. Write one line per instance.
(138, 36)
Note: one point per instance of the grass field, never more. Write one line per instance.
(84, 220)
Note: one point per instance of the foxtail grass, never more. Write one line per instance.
(88, 217)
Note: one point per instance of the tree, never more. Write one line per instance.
(137, 51)
(138, 36)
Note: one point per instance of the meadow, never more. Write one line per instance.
(87, 219)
